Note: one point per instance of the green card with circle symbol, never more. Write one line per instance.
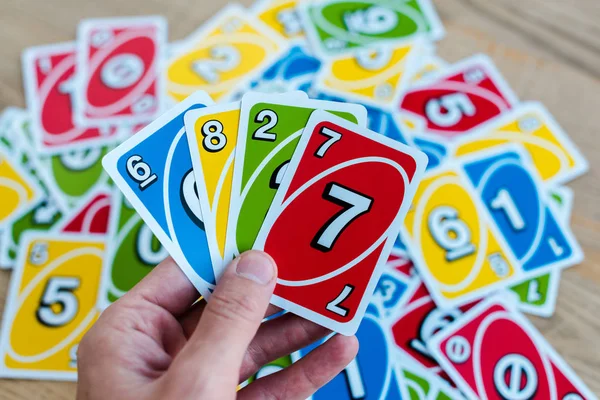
(269, 131)
(132, 251)
(338, 26)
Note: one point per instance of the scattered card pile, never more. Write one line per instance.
(417, 203)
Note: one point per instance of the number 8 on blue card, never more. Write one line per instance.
(154, 171)
(516, 200)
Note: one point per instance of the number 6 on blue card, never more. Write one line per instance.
(516, 200)
(333, 221)
(153, 169)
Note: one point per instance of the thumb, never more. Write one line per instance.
(231, 318)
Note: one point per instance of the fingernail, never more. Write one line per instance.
(256, 266)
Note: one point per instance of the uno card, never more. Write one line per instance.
(344, 192)
(379, 119)
(454, 245)
(270, 129)
(418, 384)
(90, 216)
(212, 136)
(494, 352)
(341, 26)
(76, 173)
(515, 200)
(119, 70)
(435, 150)
(43, 215)
(222, 56)
(51, 304)
(554, 155)
(377, 74)
(9, 119)
(415, 324)
(293, 70)
(372, 374)
(538, 296)
(392, 292)
(281, 16)
(154, 171)
(49, 78)
(132, 251)
(460, 98)
(563, 199)
(430, 65)
(269, 369)
(18, 189)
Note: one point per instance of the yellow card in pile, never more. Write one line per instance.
(212, 136)
(554, 155)
(429, 66)
(51, 304)
(281, 16)
(452, 241)
(18, 190)
(375, 75)
(222, 56)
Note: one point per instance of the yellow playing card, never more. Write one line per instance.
(554, 155)
(281, 16)
(374, 75)
(222, 56)
(450, 239)
(18, 191)
(429, 66)
(212, 135)
(51, 304)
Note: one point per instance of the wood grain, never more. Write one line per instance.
(548, 50)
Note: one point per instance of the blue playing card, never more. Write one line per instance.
(435, 152)
(380, 120)
(517, 202)
(294, 70)
(372, 374)
(153, 169)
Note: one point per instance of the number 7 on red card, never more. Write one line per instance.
(334, 218)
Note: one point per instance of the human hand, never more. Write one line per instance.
(154, 344)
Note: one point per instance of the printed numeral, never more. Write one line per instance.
(334, 305)
(451, 233)
(353, 205)
(333, 136)
(140, 172)
(223, 59)
(263, 133)
(58, 291)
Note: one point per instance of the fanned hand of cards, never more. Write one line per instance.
(414, 202)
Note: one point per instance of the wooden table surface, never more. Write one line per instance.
(549, 50)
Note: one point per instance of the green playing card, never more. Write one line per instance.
(132, 251)
(337, 26)
(270, 368)
(269, 132)
(419, 384)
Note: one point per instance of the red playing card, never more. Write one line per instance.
(493, 352)
(48, 73)
(343, 196)
(119, 66)
(417, 322)
(91, 217)
(464, 97)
